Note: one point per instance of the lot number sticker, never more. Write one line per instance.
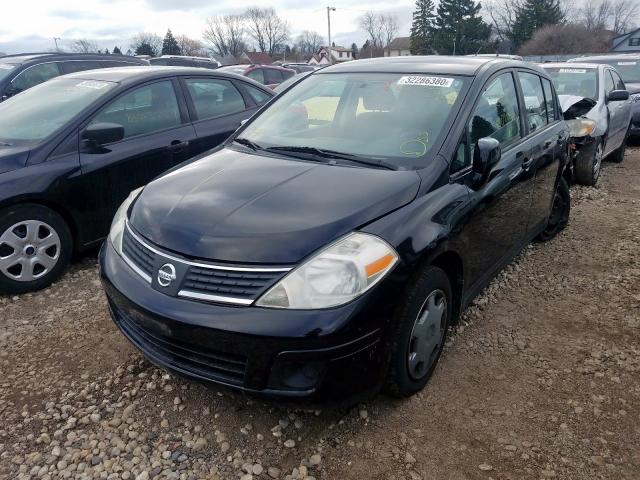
(573, 70)
(627, 63)
(96, 85)
(426, 81)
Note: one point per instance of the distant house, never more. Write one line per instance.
(399, 47)
(256, 58)
(627, 42)
(331, 55)
(228, 60)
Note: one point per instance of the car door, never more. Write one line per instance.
(216, 108)
(544, 141)
(156, 137)
(623, 109)
(499, 207)
(614, 113)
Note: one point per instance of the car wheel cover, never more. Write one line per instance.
(427, 335)
(29, 250)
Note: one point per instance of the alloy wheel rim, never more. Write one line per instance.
(29, 250)
(598, 161)
(427, 335)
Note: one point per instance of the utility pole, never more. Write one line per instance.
(329, 9)
(55, 39)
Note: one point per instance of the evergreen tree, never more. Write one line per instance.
(170, 45)
(459, 28)
(354, 49)
(106, 51)
(422, 27)
(535, 14)
(144, 49)
(117, 51)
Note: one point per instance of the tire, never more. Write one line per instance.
(587, 170)
(412, 360)
(560, 211)
(618, 155)
(35, 248)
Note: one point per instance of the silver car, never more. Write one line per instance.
(597, 108)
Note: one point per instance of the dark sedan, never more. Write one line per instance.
(72, 149)
(326, 247)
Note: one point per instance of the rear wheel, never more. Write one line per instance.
(560, 211)
(587, 170)
(618, 155)
(35, 248)
(422, 324)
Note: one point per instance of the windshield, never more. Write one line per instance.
(40, 111)
(6, 68)
(393, 117)
(629, 70)
(582, 82)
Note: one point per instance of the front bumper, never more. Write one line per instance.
(319, 354)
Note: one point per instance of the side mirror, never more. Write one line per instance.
(618, 96)
(486, 155)
(99, 134)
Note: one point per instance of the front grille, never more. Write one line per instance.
(188, 358)
(136, 252)
(223, 283)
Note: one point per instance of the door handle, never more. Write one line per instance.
(178, 145)
(527, 163)
(547, 144)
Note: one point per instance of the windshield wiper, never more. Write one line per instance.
(320, 152)
(248, 143)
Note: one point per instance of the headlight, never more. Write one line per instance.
(334, 276)
(117, 225)
(635, 97)
(581, 127)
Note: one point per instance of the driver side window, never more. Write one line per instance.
(496, 113)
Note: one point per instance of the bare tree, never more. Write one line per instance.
(226, 35)
(309, 42)
(623, 15)
(595, 14)
(371, 23)
(190, 46)
(266, 28)
(85, 46)
(563, 39)
(389, 29)
(503, 16)
(145, 38)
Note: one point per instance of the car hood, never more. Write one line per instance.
(574, 106)
(247, 208)
(12, 158)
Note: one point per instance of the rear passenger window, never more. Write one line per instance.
(533, 100)
(256, 75)
(79, 66)
(35, 75)
(214, 98)
(549, 99)
(496, 113)
(257, 95)
(145, 110)
(272, 76)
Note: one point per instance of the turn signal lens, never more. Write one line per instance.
(336, 275)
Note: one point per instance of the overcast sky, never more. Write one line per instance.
(31, 25)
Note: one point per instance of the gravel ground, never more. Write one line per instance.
(541, 379)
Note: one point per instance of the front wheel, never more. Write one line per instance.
(35, 248)
(422, 323)
(560, 211)
(587, 169)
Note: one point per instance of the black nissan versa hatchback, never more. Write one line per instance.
(72, 148)
(327, 246)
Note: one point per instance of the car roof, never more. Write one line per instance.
(611, 56)
(572, 65)
(54, 56)
(151, 72)
(436, 64)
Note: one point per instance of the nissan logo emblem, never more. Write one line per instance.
(166, 275)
